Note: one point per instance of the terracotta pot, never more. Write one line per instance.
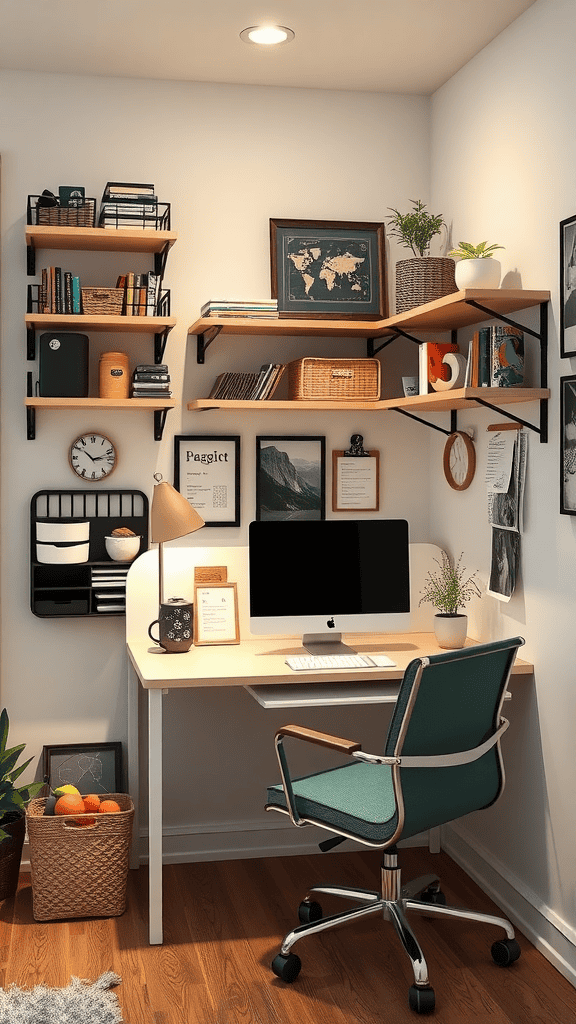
(450, 631)
(11, 852)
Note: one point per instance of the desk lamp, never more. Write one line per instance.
(171, 516)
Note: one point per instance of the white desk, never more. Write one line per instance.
(251, 664)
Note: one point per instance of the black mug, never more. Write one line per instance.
(175, 625)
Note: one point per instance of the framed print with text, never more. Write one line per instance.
(207, 473)
(568, 287)
(290, 477)
(216, 614)
(568, 445)
(356, 482)
(328, 268)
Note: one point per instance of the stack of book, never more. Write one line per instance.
(229, 307)
(151, 380)
(141, 293)
(59, 291)
(248, 387)
(128, 204)
(496, 358)
(109, 586)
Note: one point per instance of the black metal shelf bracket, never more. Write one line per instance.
(160, 259)
(30, 260)
(204, 340)
(160, 340)
(159, 423)
(453, 421)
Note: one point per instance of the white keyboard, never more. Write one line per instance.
(310, 662)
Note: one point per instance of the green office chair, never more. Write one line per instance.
(442, 760)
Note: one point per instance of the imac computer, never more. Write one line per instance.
(322, 578)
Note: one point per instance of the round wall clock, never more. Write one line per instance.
(93, 456)
(459, 460)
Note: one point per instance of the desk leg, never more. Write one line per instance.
(155, 814)
(133, 770)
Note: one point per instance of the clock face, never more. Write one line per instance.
(93, 457)
(459, 461)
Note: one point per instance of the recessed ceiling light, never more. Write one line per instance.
(267, 35)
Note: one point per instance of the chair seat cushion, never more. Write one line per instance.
(358, 798)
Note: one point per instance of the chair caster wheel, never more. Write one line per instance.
(287, 968)
(421, 999)
(309, 911)
(505, 952)
(435, 896)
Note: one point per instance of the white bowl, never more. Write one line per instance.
(70, 554)
(122, 549)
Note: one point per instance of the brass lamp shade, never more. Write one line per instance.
(172, 516)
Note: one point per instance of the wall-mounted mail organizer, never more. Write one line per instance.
(71, 571)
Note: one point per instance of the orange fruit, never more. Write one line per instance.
(70, 803)
(91, 802)
(109, 807)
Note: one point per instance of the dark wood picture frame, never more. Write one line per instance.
(279, 501)
(568, 445)
(354, 291)
(215, 450)
(568, 287)
(91, 767)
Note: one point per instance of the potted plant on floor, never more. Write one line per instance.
(449, 589)
(423, 278)
(13, 800)
(476, 267)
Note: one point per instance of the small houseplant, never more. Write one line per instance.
(13, 800)
(422, 278)
(450, 588)
(476, 267)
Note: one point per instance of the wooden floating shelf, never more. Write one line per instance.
(446, 314)
(89, 322)
(461, 398)
(48, 236)
(100, 403)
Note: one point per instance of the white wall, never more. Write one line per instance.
(503, 154)
(228, 159)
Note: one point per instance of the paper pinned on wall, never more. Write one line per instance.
(499, 461)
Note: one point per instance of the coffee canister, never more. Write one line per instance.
(114, 375)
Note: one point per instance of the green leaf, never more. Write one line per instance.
(9, 758)
(4, 726)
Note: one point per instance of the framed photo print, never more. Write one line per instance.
(216, 614)
(568, 445)
(290, 478)
(328, 268)
(568, 287)
(91, 767)
(207, 473)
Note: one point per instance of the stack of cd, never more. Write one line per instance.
(151, 381)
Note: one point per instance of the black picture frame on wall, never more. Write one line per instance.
(91, 767)
(290, 477)
(328, 269)
(568, 287)
(568, 445)
(207, 473)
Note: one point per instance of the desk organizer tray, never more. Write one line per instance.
(71, 572)
(334, 379)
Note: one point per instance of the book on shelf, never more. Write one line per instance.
(151, 368)
(496, 358)
(141, 293)
(57, 292)
(145, 385)
(147, 377)
(133, 188)
(248, 387)
(231, 307)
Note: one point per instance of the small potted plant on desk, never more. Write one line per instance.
(449, 589)
(424, 277)
(476, 267)
(13, 800)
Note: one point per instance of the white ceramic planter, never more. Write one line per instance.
(450, 631)
(478, 273)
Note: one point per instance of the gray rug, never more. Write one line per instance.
(79, 1003)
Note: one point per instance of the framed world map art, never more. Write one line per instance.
(328, 269)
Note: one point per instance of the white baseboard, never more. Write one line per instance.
(546, 930)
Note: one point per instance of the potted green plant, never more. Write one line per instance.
(448, 589)
(476, 267)
(13, 800)
(422, 278)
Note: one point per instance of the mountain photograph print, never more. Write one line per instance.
(290, 477)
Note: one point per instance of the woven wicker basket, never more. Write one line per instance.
(103, 300)
(79, 871)
(334, 379)
(68, 216)
(422, 280)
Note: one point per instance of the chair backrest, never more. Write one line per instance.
(449, 703)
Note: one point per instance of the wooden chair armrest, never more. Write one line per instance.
(322, 739)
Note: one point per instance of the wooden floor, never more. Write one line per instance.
(223, 925)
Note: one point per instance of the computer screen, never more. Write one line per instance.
(322, 578)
